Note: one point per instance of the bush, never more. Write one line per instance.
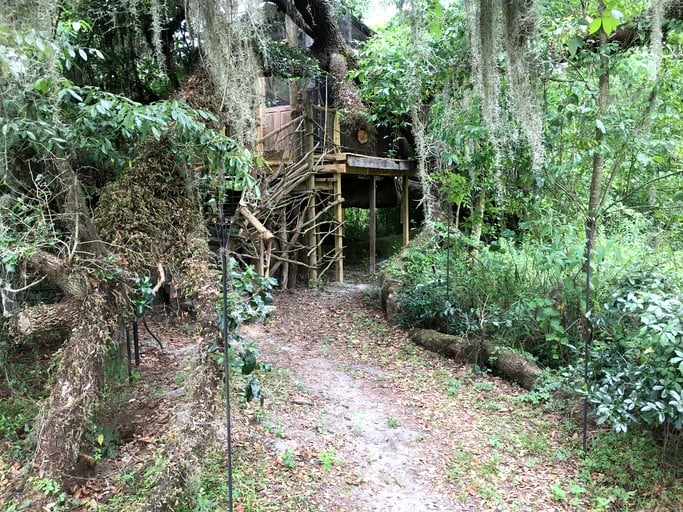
(531, 297)
(637, 353)
(448, 289)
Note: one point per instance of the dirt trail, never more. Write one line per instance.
(359, 419)
(356, 419)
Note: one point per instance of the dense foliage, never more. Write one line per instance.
(510, 263)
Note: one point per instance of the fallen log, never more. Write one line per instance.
(45, 322)
(76, 391)
(503, 361)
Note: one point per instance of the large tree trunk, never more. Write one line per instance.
(329, 48)
(76, 390)
(504, 361)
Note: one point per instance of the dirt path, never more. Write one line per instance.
(356, 418)
(359, 419)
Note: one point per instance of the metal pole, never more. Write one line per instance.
(136, 342)
(588, 331)
(225, 237)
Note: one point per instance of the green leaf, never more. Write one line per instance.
(249, 360)
(594, 25)
(42, 85)
(609, 24)
(574, 44)
(253, 391)
(600, 126)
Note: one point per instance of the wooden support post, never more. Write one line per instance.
(267, 254)
(373, 225)
(284, 236)
(405, 212)
(312, 239)
(339, 231)
(260, 262)
(336, 135)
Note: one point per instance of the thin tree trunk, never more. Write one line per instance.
(478, 220)
(595, 194)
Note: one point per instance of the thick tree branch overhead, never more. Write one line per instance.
(334, 55)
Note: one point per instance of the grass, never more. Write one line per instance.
(288, 460)
(393, 422)
(327, 458)
(632, 470)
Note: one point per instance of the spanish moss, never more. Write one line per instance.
(226, 31)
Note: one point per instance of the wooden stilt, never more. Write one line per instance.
(339, 230)
(373, 225)
(312, 238)
(284, 236)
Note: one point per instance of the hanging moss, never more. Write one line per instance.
(510, 26)
(658, 7)
(227, 31)
(521, 25)
(484, 21)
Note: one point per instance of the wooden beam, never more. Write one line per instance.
(374, 162)
(335, 168)
(373, 225)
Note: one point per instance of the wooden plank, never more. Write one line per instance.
(366, 171)
(374, 162)
(333, 168)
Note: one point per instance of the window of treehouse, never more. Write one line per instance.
(277, 92)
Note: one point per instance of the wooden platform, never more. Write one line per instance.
(287, 138)
(363, 165)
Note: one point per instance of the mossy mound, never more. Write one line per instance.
(152, 213)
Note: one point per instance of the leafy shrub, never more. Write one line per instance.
(531, 296)
(637, 354)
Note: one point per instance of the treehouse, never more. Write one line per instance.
(317, 164)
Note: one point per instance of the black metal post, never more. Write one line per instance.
(225, 237)
(130, 363)
(136, 343)
(588, 331)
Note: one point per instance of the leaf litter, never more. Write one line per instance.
(403, 429)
